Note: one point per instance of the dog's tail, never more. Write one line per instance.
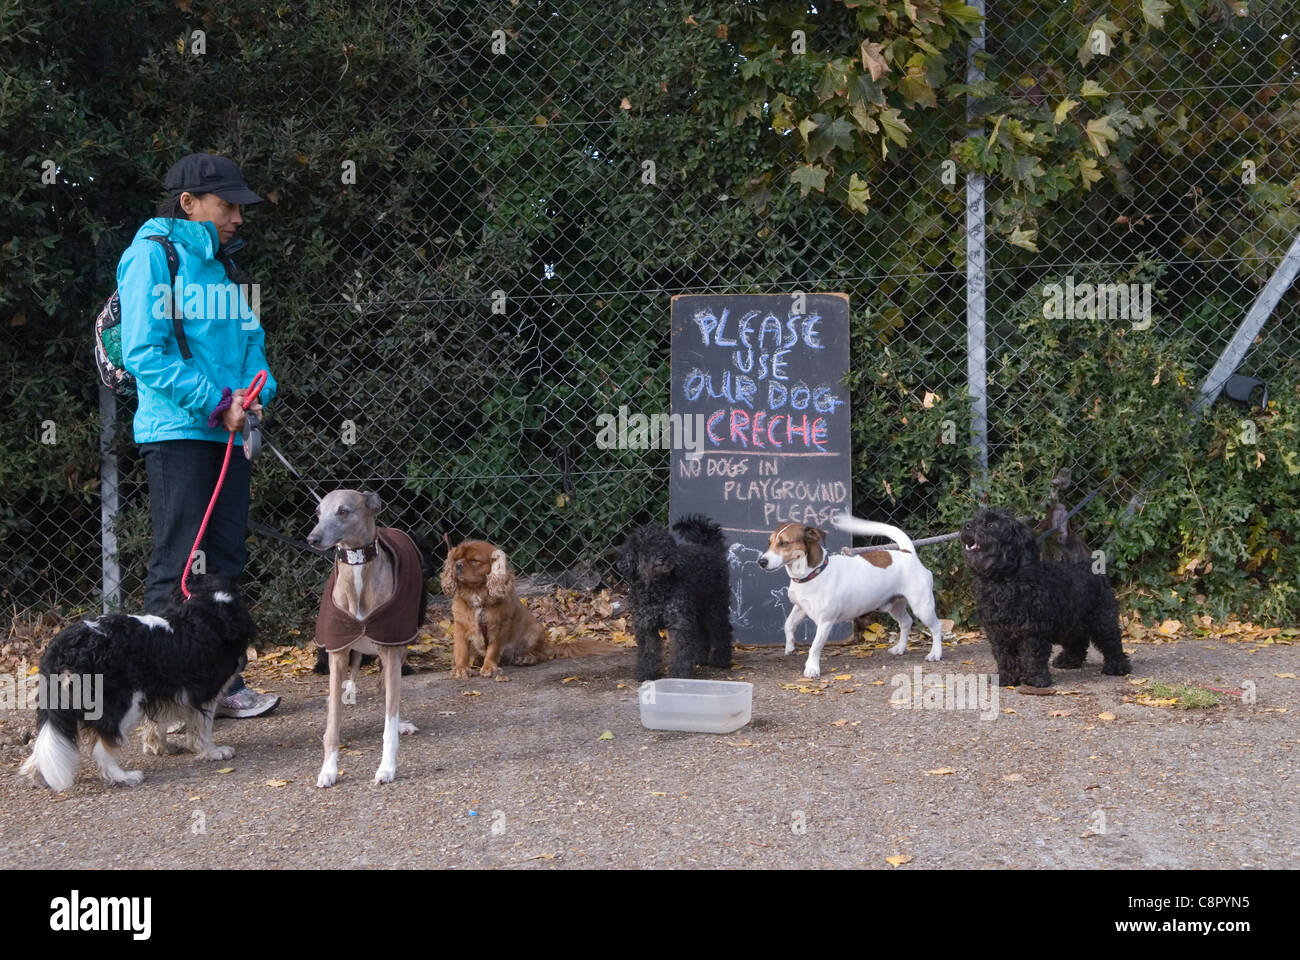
(429, 564)
(582, 647)
(869, 528)
(54, 755)
(699, 529)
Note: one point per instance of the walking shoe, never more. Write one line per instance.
(243, 701)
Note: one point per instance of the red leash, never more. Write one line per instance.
(254, 389)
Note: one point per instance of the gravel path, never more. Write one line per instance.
(513, 775)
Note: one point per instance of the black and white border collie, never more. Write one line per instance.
(154, 670)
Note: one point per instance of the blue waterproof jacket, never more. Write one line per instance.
(224, 335)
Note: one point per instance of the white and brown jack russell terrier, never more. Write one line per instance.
(830, 589)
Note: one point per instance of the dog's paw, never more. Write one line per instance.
(327, 778)
(812, 671)
(935, 655)
(406, 726)
(217, 753)
(487, 671)
(385, 774)
(789, 646)
(459, 673)
(130, 778)
(1066, 662)
(899, 648)
(1117, 668)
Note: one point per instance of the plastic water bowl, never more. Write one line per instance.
(699, 706)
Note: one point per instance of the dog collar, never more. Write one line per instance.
(815, 570)
(357, 557)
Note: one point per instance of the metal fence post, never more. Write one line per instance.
(976, 276)
(1259, 312)
(111, 580)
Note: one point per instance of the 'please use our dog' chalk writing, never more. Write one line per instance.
(768, 407)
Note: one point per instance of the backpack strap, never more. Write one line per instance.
(178, 319)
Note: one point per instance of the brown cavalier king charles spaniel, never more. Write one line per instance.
(488, 615)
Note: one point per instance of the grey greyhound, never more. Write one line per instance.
(366, 578)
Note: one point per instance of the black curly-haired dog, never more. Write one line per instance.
(1027, 604)
(683, 588)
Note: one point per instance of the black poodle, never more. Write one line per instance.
(1026, 604)
(683, 588)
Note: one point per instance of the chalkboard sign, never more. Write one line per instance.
(763, 374)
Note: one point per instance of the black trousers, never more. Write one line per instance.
(182, 476)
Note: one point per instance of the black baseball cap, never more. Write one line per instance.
(208, 173)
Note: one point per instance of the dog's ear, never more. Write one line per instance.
(624, 564)
(1022, 540)
(814, 541)
(500, 582)
(449, 572)
(373, 503)
(1017, 537)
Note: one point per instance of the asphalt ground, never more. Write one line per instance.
(515, 773)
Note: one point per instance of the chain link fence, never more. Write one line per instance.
(514, 192)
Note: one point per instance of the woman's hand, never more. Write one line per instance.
(233, 417)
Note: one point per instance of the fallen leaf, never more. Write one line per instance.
(941, 772)
(1106, 716)
(567, 679)
(1007, 710)
(1059, 713)
(606, 736)
(898, 860)
(277, 783)
(470, 693)
(1011, 777)
(843, 676)
(226, 770)
(1285, 676)
(658, 793)
(543, 856)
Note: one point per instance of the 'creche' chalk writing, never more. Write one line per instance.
(760, 431)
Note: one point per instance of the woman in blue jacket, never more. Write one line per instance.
(189, 391)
